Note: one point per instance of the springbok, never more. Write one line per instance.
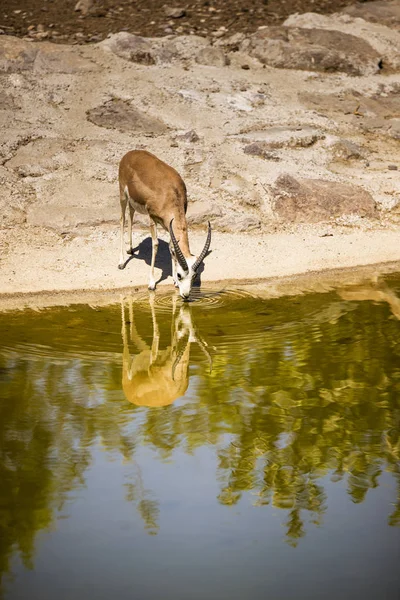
(152, 187)
(156, 378)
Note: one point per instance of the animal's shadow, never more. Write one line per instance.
(163, 259)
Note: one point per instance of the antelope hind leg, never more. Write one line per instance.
(123, 201)
(153, 230)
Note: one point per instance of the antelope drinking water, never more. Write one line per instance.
(152, 187)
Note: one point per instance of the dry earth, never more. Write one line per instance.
(85, 21)
(288, 139)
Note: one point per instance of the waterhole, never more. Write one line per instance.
(229, 448)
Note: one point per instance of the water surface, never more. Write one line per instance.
(229, 448)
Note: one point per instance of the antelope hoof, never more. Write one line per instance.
(176, 284)
(130, 251)
(152, 287)
(121, 266)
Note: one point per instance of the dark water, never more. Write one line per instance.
(232, 448)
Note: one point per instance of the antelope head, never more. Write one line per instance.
(187, 267)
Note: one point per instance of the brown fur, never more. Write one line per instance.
(158, 188)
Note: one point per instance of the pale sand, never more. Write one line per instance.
(40, 268)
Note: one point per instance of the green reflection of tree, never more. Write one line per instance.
(300, 389)
(328, 403)
(316, 394)
(51, 415)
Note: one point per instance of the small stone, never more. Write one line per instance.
(245, 67)
(346, 150)
(392, 167)
(83, 6)
(212, 57)
(189, 136)
(174, 13)
(219, 33)
(260, 149)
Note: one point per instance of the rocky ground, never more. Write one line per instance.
(287, 136)
(86, 21)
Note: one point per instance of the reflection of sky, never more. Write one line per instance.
(204, 549)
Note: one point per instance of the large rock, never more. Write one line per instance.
(130, 47)
(150, 51)
(203, 211)
(42, 156)
(241, 189)
(383, 40)
(236, 223)
(7, 101)
(378, 113)
(14, 199)
(85, 203)
(317, 200)
(345, 150)
(117, 114)
(273, 138)
(212, 57)
(312, 50)
(53, 59)
(16, 55)
(384, 13)
(181, 48)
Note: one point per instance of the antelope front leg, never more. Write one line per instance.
(153, 231)
(131, 214)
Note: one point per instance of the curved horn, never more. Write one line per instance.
(178, 251)
(205, 249)
(206, 353)
(178, 359)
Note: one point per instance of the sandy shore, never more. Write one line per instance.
(42, 268)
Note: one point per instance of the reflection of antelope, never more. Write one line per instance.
(377, 294)
(154, 377)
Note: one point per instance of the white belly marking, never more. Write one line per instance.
(140, 208)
